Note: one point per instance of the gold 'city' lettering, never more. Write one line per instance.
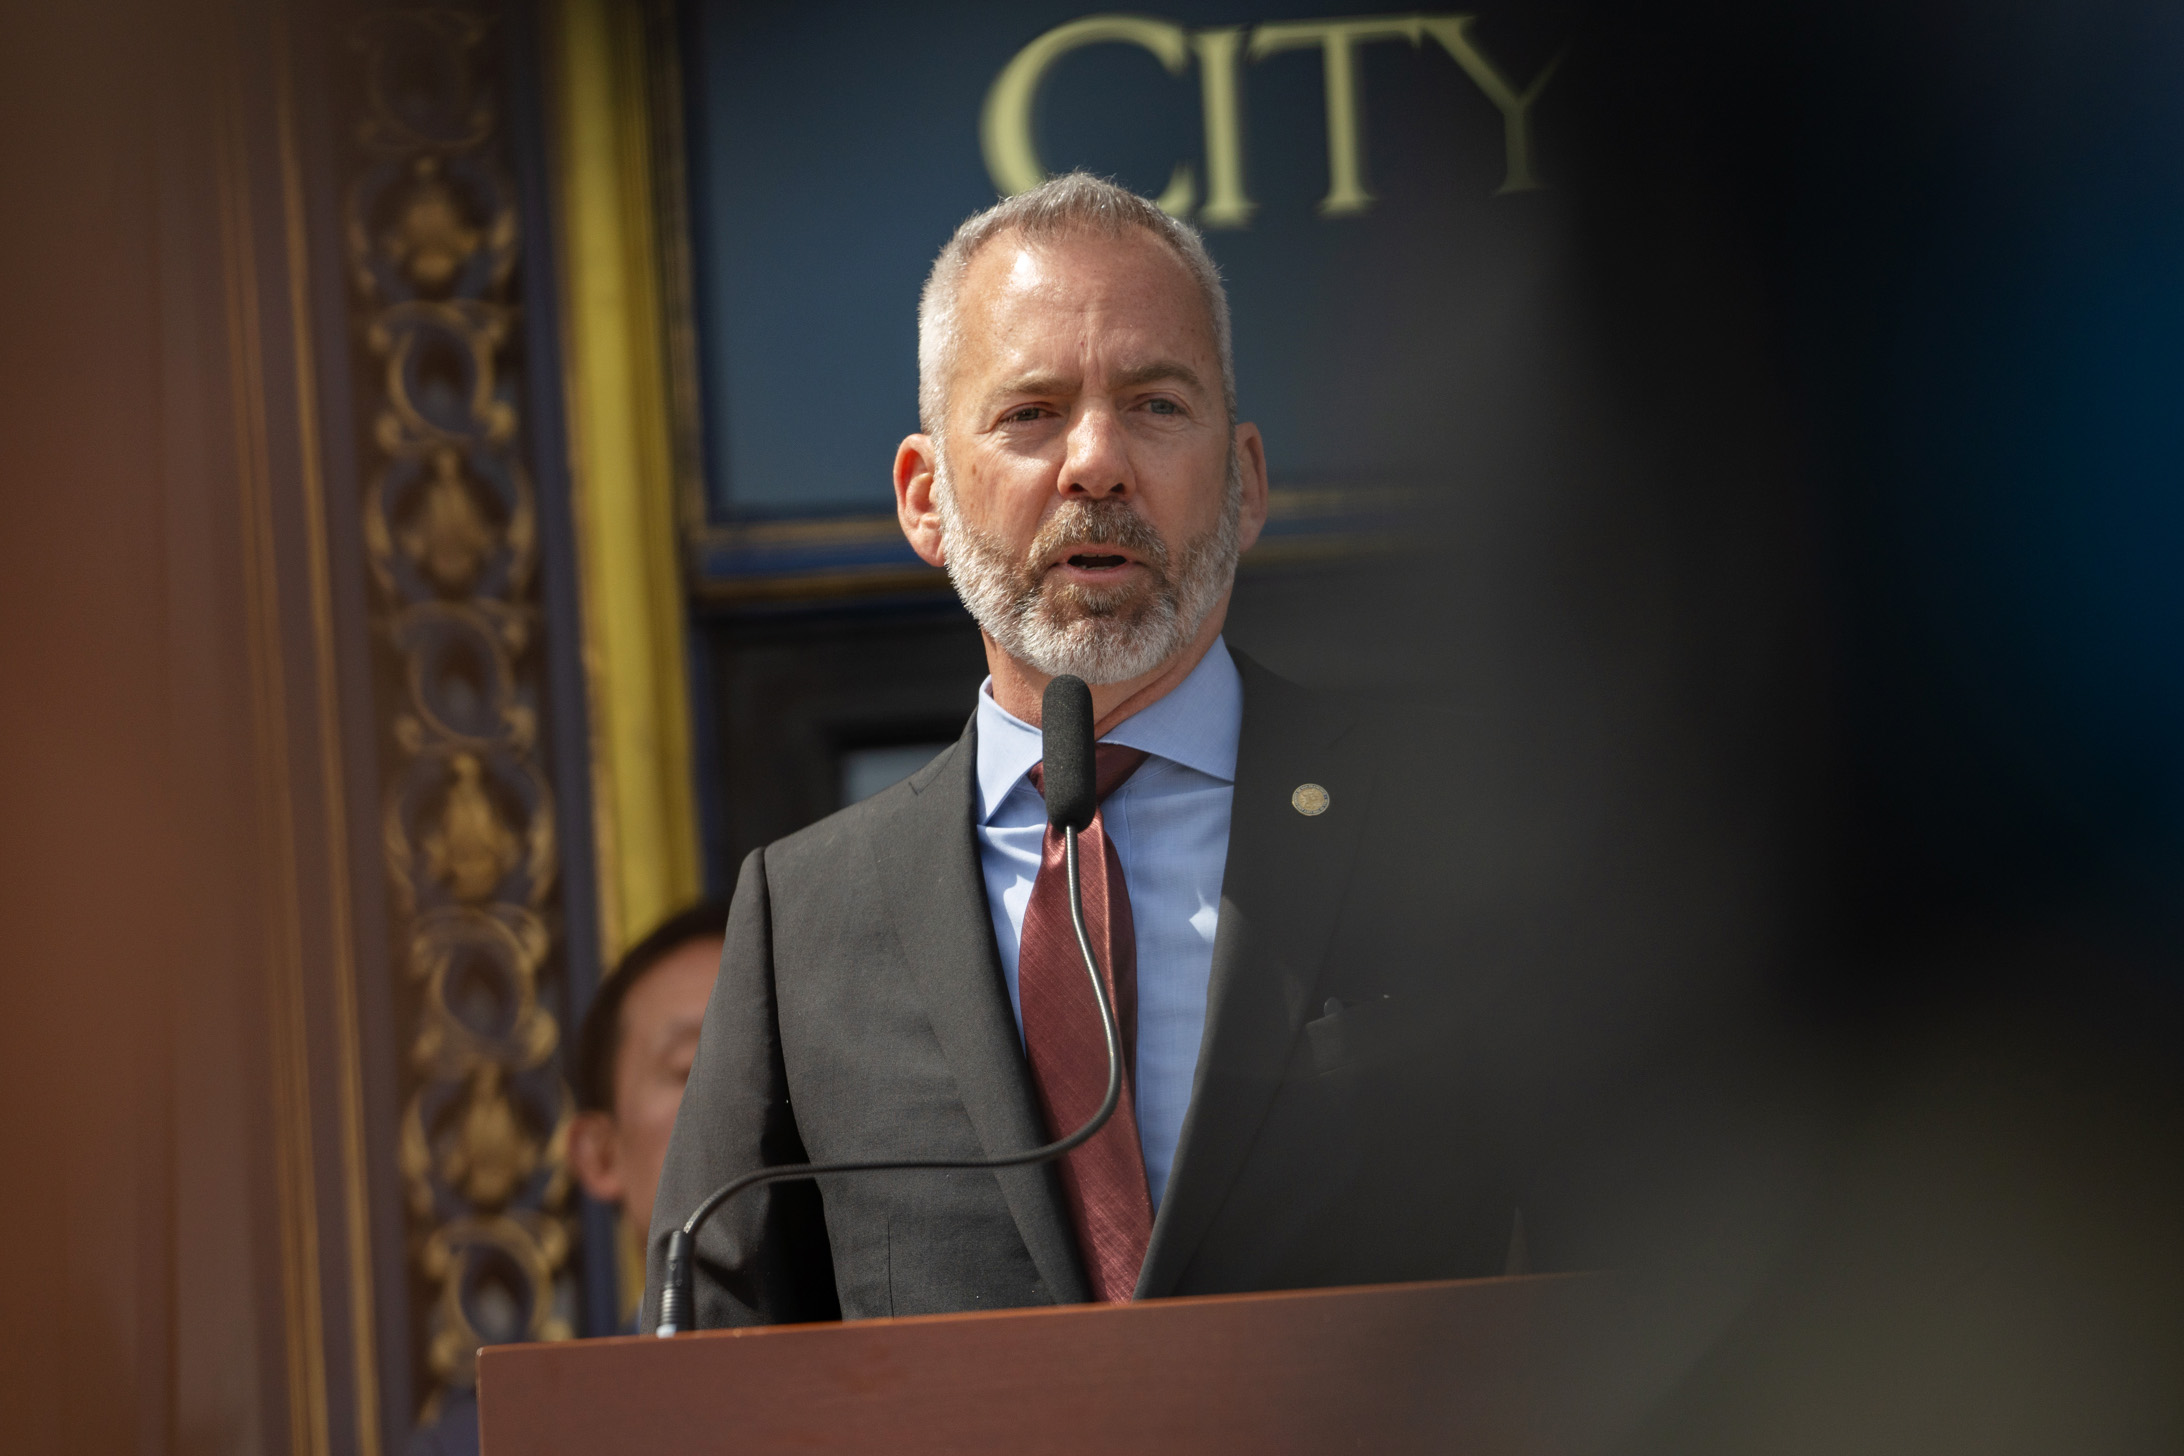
(1004, 128)
(1515, 107)
(1338, 41)
(1221, 91)
(1012, 156)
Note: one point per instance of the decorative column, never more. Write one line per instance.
(451, 528)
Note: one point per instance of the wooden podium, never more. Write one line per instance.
(1486, 1367)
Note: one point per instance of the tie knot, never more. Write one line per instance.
(1112, 763)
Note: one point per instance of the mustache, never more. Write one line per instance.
(1098, 523)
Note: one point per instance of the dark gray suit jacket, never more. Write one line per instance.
(1363, 1110)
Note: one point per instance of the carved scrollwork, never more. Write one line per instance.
(452, 522)
(491, 1273)
(442, 385)
(451, 537)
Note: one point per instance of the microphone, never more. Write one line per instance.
(1072, 797)
(1071, 779)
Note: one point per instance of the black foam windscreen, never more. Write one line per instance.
(1072, 783)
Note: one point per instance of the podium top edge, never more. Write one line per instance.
(1333, 1293)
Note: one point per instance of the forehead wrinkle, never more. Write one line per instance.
(1036, 381)
(1154, 371)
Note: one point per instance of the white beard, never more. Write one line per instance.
(1101, 634)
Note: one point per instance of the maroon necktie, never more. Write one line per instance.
(1103, 1181)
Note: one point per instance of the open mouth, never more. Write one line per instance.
(1094, 561)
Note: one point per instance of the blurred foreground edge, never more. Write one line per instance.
(1482, 1366)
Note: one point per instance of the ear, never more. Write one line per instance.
(1251, 455)
(917, 466)
(593, 1156)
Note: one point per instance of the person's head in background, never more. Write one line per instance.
(633, 1056)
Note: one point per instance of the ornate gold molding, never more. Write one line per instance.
(622, 465)
(467, 820)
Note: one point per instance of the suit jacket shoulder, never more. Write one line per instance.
(818, 848)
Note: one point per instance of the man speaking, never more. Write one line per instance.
(1305, 989)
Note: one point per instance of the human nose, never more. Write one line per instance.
(1097, 465)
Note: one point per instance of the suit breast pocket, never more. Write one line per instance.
(1357, 1034)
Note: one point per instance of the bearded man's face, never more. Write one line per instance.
(1051, 606)
(1088, 485)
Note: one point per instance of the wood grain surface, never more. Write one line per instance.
(1481, 1366)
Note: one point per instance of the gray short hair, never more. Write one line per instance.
(1076, 204)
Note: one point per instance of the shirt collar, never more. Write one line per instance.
(1195, 724)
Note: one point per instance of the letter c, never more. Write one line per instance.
(1004, 128)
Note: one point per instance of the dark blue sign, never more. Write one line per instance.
(1378, 189)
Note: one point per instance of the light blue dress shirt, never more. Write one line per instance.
(1170, 826)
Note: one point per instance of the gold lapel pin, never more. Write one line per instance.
(1310, 800)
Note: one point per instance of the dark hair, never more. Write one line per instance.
(599, 1040)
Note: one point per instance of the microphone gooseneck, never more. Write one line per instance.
(1072, 798)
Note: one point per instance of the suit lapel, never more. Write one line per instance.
(927, 860)
(1280, 893)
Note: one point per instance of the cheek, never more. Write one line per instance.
(1005, 495)
(646, 1129)
(1183, 499)
(658, 1105)
(646, 1106)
